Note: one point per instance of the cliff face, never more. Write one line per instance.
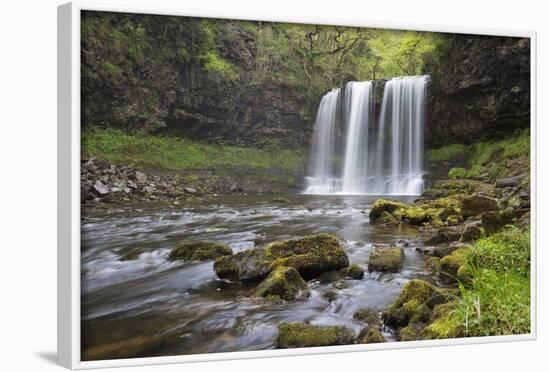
(183, 76)
(481, 91)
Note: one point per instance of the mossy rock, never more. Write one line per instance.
(443, 324)
(386, 218)
(297, 334)
(413, 304)
(329, 295)
(368, 316)
(280, 200)
(493, 222)
(284, 282)
(199, 251)
(311, 256)
(473, 231)
(370, 335)
(473, 205)
(415, 216)
(392, 207)
(432, 265)
(249, 265)
(386, 259)
(411, 332)
(451, 264)
(353, 271)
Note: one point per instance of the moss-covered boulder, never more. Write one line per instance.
(451, 265)
(368, 316)
(249, 265)
(413, 304)
(284, 282)
(415, 216)
(311, 256)
(473, 231)
(392, 208)
(495, 221)
(199, 251)
(370, 335)
(411, 332)
(353, 271)
(432, 265)
(474, 205)
(297, 334)
(386, 259)
(443, 324)
(329, 295)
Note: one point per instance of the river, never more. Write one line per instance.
(136, 303)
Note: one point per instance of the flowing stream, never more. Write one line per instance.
(383, 152)
(136, 303)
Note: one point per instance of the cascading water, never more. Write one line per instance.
(381, 155)
(323, 150)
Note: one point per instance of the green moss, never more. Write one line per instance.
(200, 251)
(455, 173)
(386, 259)
(446, 153)
(444, 324)
(451, 264)
(284, 282)
(215, 64)
(411, 332)
(280, 200)
(292, 335)
(368, 316)
(112, 69)
(432, 265)
(354, 271)
(393, 207)
(311, 255)
(174, 153)
(413, 304)
(415, 215)
(371, 335)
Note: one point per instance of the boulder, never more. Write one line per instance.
(474, 205)
(493, 222)
(442, 324)
(411, 332)
(311, 256)
(414, 216)
(100, 189)
(472, 231)
(249, 265)
(140, 177)
(368, 316)
(200, 251)
(284, 282)
(413, 304)
(445, 250)
(392, 207)
(386, 259)
(452, 267)
(370, 335)
(329, 295)
(353, 271)
(510, 181)
(297, 334)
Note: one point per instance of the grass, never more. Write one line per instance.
(489, 156)
(174, 153)
(447, 153)
(497, 301)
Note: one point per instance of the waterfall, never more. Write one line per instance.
(323, 150)
(382, 155)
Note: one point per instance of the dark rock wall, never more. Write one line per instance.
(481, 90)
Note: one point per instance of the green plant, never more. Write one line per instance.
(455, 173)
(447, 153)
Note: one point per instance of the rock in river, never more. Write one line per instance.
(298, 334)
(284, 282)
(199, 251)
(311, 256)
(386, 259)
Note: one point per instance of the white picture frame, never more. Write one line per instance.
(69, 186)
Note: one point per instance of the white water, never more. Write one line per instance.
(381, 156)
(323, 150)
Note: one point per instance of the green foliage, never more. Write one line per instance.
(447, 153)
(506, 251)
(176, 153)
(214, 64)
(455, 173)
(512, 147)
(497, 299)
